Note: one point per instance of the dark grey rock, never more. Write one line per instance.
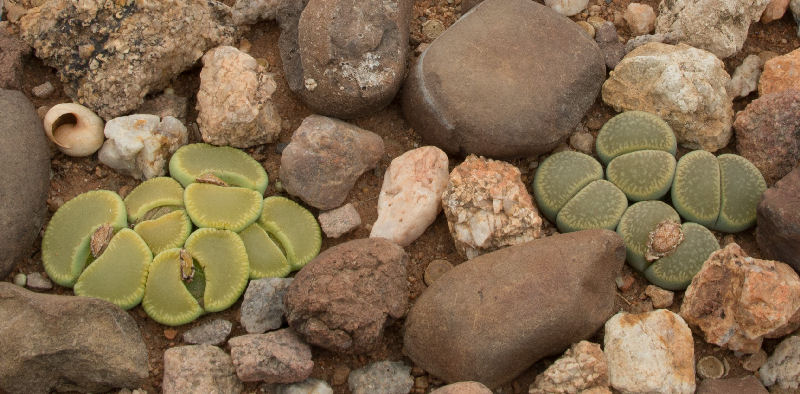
(608, 40)
(385, 377)
(262, 307)
(209, 333)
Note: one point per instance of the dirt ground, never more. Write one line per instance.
(72, 176)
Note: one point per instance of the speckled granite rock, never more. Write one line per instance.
(110, 54)
(234, 103)
(488, 207)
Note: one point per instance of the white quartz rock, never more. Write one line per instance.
(140, 145)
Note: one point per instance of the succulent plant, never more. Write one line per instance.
(635, 226)
(151, 194)
(223, 258)
(642, 175)
(295, 228)
(65, 245)
(232, 165)
(266, 258)
(119, 274)
(675, 271)
(598, 205)
(742, 186)
(633, 131)
(166, 298)
(560, 177)
(165, 232)
(228, 208)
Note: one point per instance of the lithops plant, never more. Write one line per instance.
(75, 129)
(721, 193)
(228, 208)
(294, 227)
(233, 166)
(119, 274)
(166, 231)
(66, 241)
(668, 253)
(266, 258)
(167, 299)
(152, 194)
(642, 175)
(598, 205)
(634, 131)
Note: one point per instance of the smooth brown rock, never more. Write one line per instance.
(344, 298)
(736, 301)
(24, 180)
(539, 69)
(778, 217)
(492, 317)
(745, 385)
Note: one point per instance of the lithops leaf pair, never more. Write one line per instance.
(639, 151)
(231, 165)
(721, 193)
(570, 191)
(156, 206)
(668, 253)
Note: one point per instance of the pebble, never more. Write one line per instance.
(213, 332)
(20, 279)
(661, 298)
(783, 366)
(389, 377)
(774, 11)
(624, 283)
(463, 388)
(199, 369)
(275, 357)
(641, 18)
(567, 7)
(582, 142)
(170, 333)
(435, 270)
(745, 78)
(582, 367)
(339, 221)
(780, 73)
(433, 28)
(709, 367)
(262, 306)
(340, 374)
(39, 282)
(44, 90)
(608, 41)
(309, 386)
(752, 362)
(587, 27)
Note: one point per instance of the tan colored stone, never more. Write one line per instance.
(661, 298)
(463, 388)
(737, 301)
(780, 73)
(774, 11)
(582, 367)
(641, 18)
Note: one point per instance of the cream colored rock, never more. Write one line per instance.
(488, 207)
(774, 11)
(567, 7)
(685, 86)
(641, 18)
(141, 145)
(745, 79)
(582, 367)
(783, 366)
(235, 100)
(411, 195)
(780, 73)
(736, 301)
(650, 352)
(246, 12)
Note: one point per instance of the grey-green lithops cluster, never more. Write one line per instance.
(638, 149)
(178, 274)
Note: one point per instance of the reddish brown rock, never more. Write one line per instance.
(780, 73)
(344, 298)
(778, 231)
(737, 301)
(275, 357)
(768, 133)
(325, 158)
(492, 317)
(12, 51)
(745, 385)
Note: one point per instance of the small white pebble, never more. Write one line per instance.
(20, 279)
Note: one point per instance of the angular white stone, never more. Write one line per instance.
(140, 145)
(567, 7)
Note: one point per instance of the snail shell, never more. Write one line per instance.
(75, 129)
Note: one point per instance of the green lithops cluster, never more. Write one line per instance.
(676, 270)
(721, 193)
(119, 274)
(636, 224)
(599, 205)
(65, 246)
(209, 228)
(633, 131)
(232, 165)
(642, 175)
(560, 177)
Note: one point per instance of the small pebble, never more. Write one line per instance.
(340, 374)
(435, 270)
(587, 27)
(170, 333)
(212, 333)
(44, 90)
(624, 283)
(661, 298)
(754, 361)
(596, 21)
(20, 279)
(339, 221)
(42, 111)
(432, 28)
(245, 45)
(709, 367)
(582, 142)
(39, 282)
(421, 382)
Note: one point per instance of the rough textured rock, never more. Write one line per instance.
(488, 300)
(608, 41)
(275, 357)
(685, 86)
(140, 145)
(567, 7)
(165, 104)
(463, 388)
(411, 195)
(262, 307)
(213, 332)
(488, 207)
(661, 298)
(783, 366)
(717, 26)
(325, 158)
(345, 67)
(794, 5)
(25, 179)
(339, 221)
(12, 52)
(199, 369)
(581, 367)
(650, 352)
(344, 298)
(778, 217)
(641, 18)
(66, 343)
(768, 133)
(388, 377)
(744, 385)
(38, 282)
(114, 53)
(780, 73)
(745, 78)
(774, 11)
(531, 111)
(737, 301)
(309, 386)
(247, 12)
(234, 103)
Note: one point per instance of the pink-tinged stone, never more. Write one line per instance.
(641, 18)
(275, 357)
(737, 301)
(411, 196)
(339, 221)
(780, 73)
